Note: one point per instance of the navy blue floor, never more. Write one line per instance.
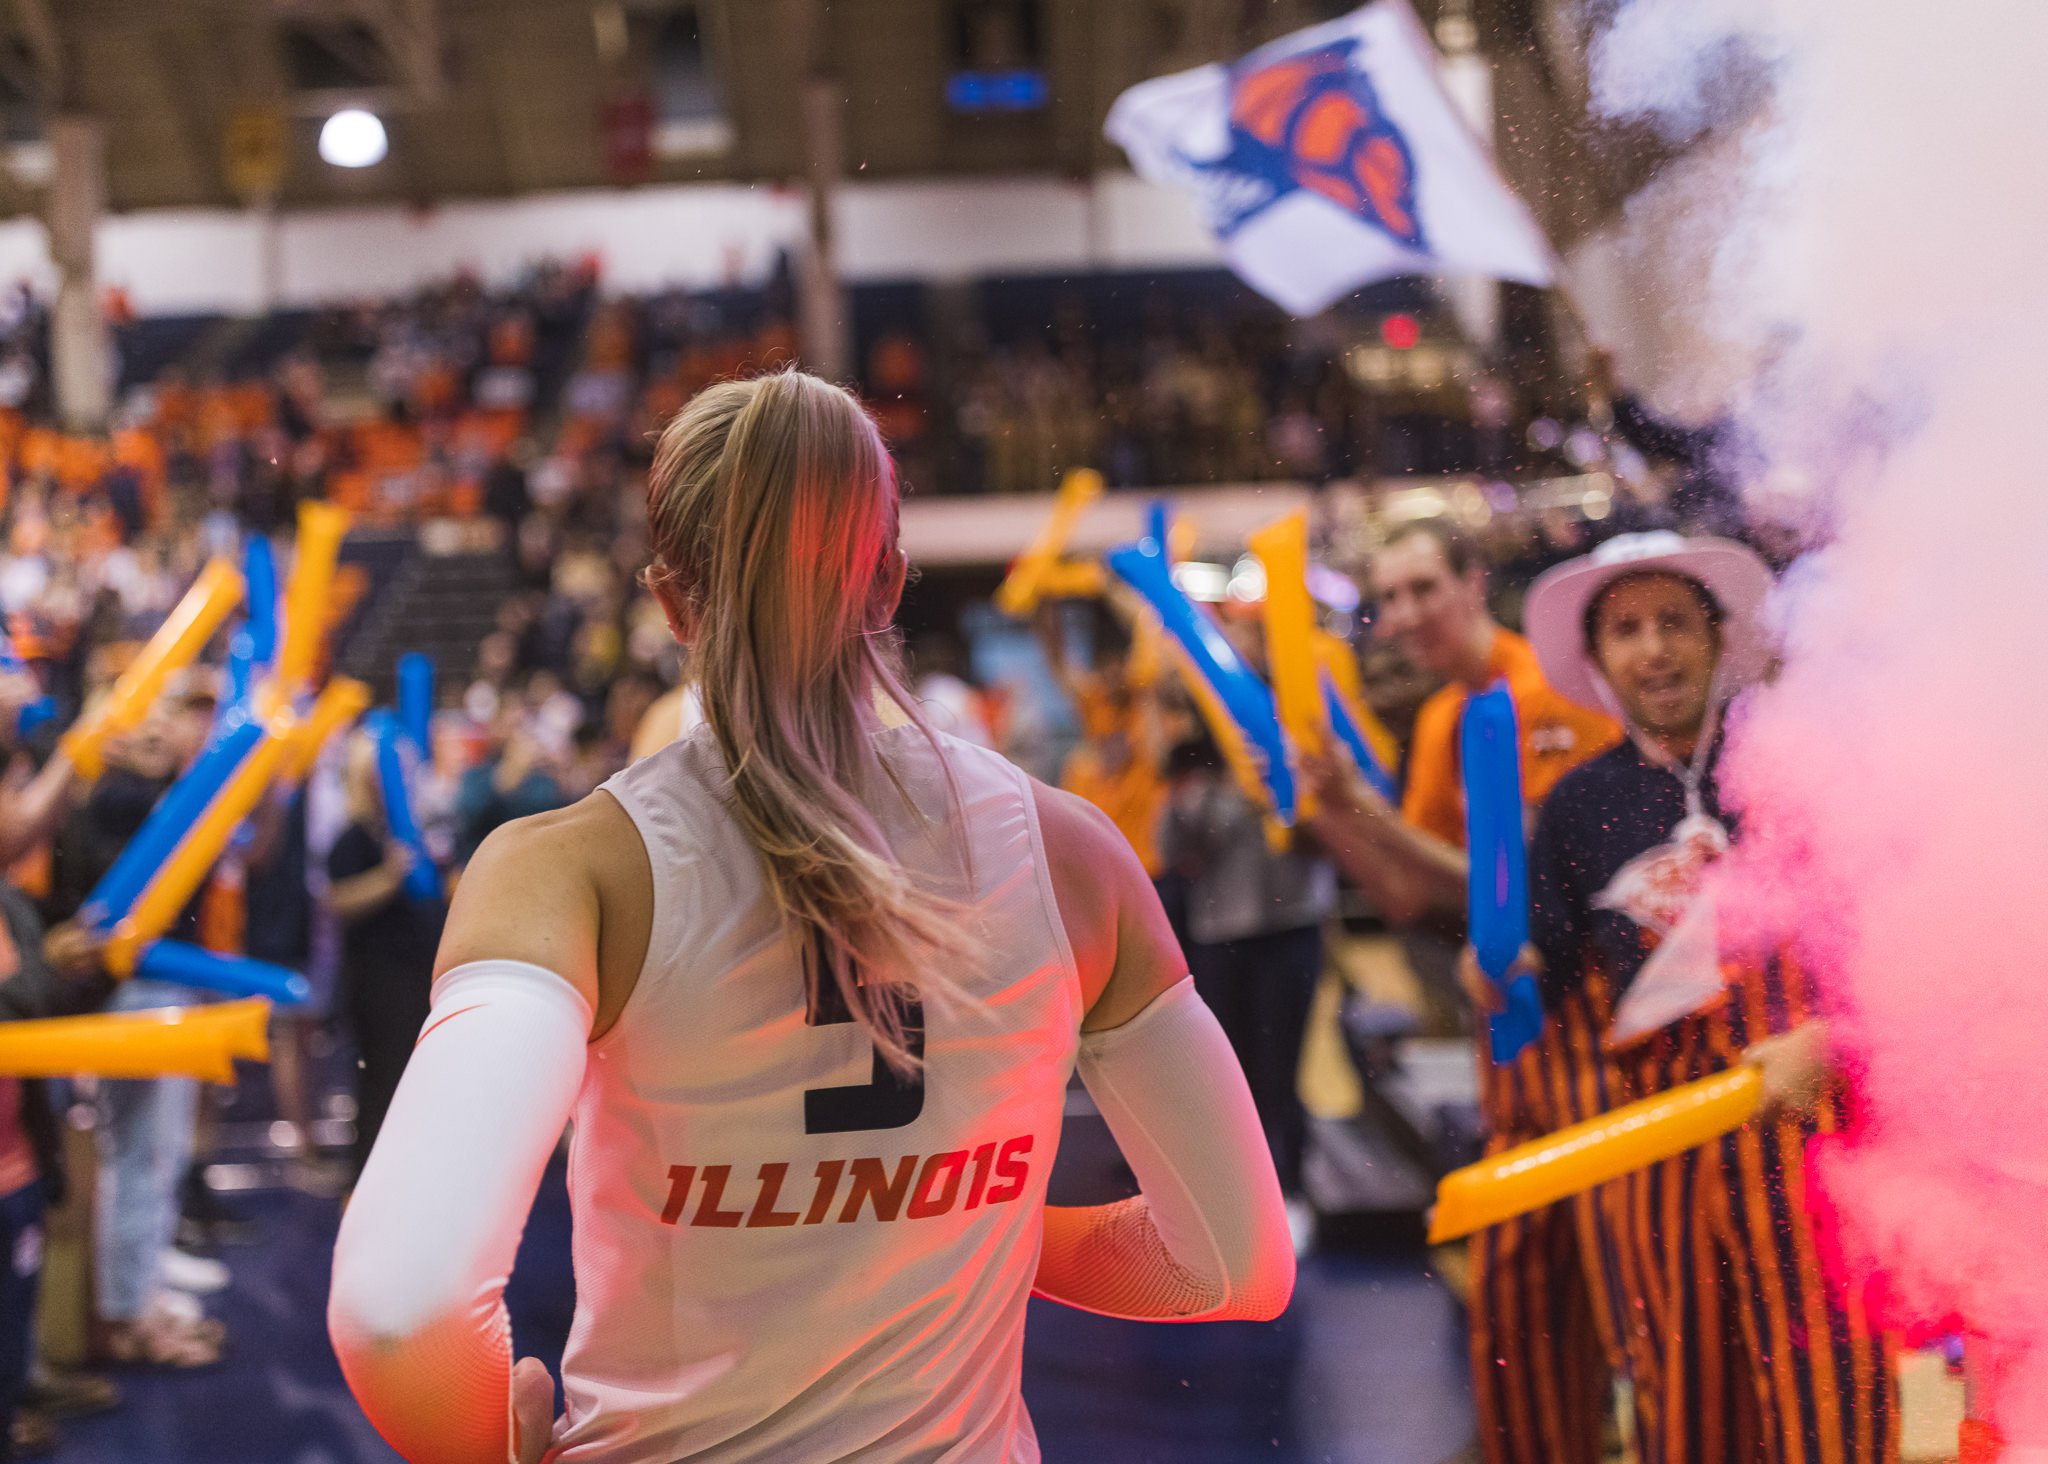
(1365, 1368)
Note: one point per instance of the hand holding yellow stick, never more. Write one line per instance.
(1024, 586)
(1530, 1176)
(177, 641)
(1071, 579)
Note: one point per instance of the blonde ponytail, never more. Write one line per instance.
(773, 508)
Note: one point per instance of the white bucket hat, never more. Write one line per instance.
(1554, 614)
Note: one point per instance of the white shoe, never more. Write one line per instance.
(1301, 1225)
(193, 1275)
(180, 1306)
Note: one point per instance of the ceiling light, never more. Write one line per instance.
(353, 139)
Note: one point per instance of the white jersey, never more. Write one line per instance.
(782, 1252)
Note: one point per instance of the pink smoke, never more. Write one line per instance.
(1880, 277)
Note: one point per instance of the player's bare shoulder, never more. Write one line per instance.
(593, 836)
(549, 887)
(1106, 900)
(1091, 861)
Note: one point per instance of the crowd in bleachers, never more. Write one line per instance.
(533, 405)
(417, 406)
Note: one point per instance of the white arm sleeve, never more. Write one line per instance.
(416, 1311)
(1207, 1239)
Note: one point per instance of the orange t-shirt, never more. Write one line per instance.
(1557, 735)
(1134, 799)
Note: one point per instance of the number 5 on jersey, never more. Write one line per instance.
(889, 1099)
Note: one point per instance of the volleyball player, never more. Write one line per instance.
(811, 988)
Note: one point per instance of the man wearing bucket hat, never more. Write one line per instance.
(1704, 1267)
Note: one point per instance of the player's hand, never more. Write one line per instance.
(1479, 987)
(1797, 1069)
(73, 950)
(533, 1410)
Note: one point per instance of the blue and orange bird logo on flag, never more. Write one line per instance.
(1313, 121)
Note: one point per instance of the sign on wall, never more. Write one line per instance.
(254, 152)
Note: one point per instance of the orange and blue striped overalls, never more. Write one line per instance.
(1701, 1271)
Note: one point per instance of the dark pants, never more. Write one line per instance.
(1260, 989)
(21, 1274)
(385, 1013)
(1172, 889)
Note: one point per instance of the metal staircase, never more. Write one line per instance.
(443, 604)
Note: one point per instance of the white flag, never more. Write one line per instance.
(1332, 158)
